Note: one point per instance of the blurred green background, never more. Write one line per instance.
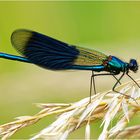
(110, 27)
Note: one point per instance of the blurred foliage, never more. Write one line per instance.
(111, 27)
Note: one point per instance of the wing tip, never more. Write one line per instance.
(19, 33)
(20, 38)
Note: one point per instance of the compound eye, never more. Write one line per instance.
(133, 65)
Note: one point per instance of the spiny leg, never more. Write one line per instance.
(116, 79)
(92, 84)
(103, 74)
(90, 89)
(133, 79)
(120, 92)
(92, 81)
(118, 82)
(113, 74)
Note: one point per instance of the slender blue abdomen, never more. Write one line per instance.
(14, 57)
(96, 68)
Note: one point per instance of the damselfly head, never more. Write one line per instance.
(133, 65)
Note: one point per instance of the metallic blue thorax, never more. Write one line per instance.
(116, 65)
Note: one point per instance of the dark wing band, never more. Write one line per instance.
(43, 50)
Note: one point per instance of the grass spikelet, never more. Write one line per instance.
(130, 132)
(87, 130)
(70, 117)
